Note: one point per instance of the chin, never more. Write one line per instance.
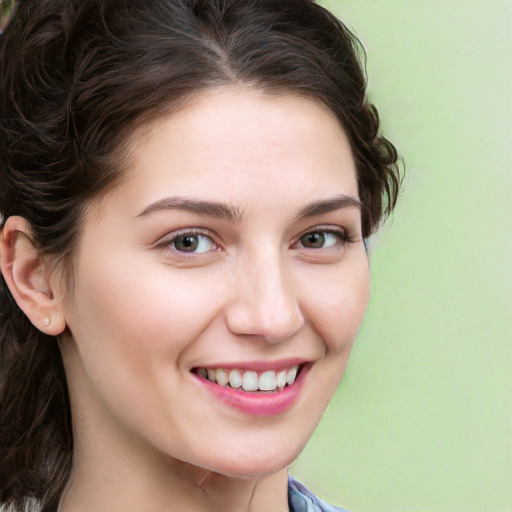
(258, 464)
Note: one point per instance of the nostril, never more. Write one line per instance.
(264, 305)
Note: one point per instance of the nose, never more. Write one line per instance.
(264, 301)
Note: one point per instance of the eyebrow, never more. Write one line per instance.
(329, 205)
(215, 209)
(234, 214)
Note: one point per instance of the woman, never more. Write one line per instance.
(186, 187)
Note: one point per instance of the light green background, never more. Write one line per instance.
(423, 418)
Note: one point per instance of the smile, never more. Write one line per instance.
(251, 380)
(256, 389)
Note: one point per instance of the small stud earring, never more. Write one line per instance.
(47, 322)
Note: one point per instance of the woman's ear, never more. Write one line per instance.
(28, 280)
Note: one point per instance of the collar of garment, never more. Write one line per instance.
(301, 499)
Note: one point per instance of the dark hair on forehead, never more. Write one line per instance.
(77, 77)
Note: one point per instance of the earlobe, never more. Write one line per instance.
(27, 278)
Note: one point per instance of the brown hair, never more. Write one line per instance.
(77, 77)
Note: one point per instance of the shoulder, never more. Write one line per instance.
(301, 499)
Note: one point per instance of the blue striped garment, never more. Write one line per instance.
(301, 499)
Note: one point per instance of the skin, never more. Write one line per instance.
(142, 314)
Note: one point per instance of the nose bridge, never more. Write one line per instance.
(265, 301)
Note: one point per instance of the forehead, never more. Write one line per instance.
(243, 146)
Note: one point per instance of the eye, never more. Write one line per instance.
(192, 243)
(322, 239)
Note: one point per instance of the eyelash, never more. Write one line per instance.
(166, 244)
(342, 235)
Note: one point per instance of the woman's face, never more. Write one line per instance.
(232, 251)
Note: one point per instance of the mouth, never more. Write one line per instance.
(254, 391)
(251, 381)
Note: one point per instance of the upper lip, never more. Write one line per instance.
(259, 365)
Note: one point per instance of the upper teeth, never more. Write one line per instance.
(250, 380)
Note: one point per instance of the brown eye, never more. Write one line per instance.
(193, 243)
(313, 240)
(322, 239)
(186, 243)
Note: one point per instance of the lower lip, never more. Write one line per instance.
(257, 403)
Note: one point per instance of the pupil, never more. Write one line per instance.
(187, 243)
(314, 240)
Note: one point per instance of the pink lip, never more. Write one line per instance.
(255, 403)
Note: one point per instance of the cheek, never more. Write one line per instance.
(341, 305)
(133, 332)
(149, 312)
